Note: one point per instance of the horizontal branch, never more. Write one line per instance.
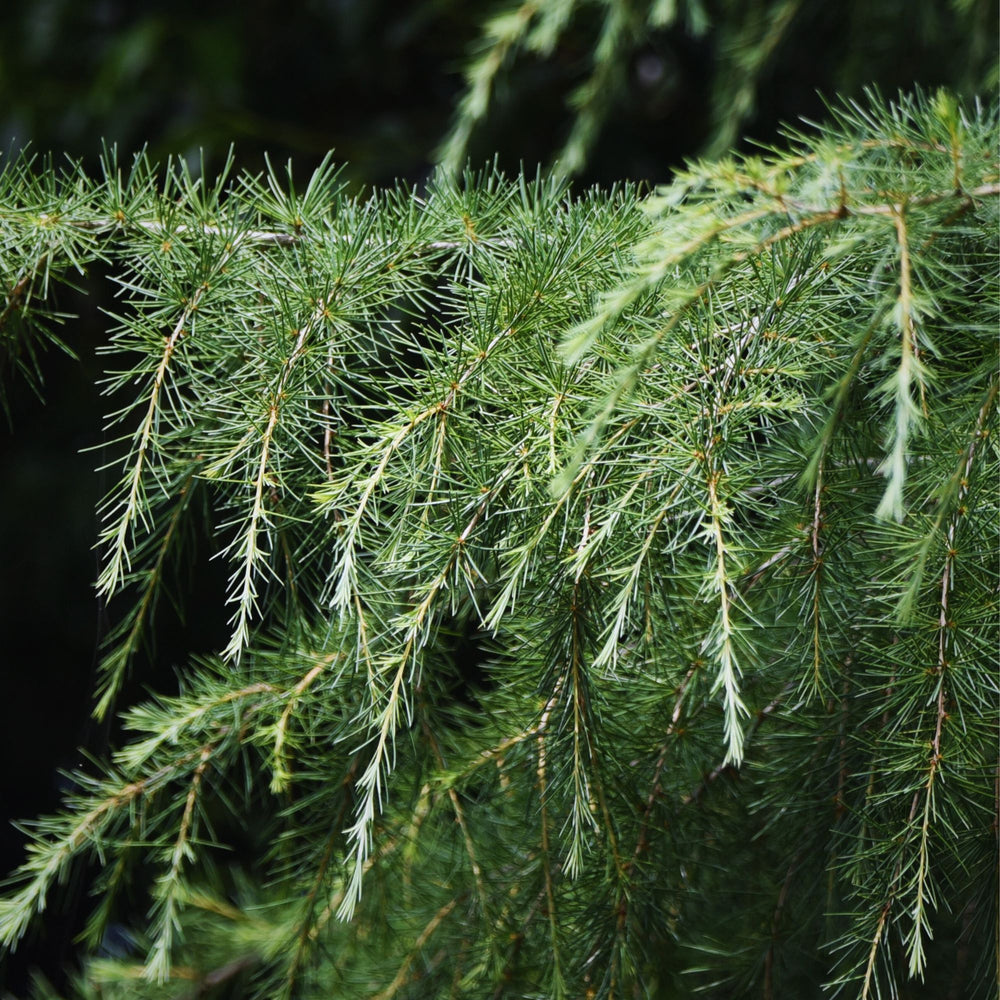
(274, 237)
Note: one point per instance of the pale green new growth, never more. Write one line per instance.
(612, 577)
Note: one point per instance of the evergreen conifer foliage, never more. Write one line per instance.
(596, 48)
(612, 577)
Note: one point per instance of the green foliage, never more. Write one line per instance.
(745, 49)
(613, 587)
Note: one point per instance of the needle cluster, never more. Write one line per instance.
(612, 576)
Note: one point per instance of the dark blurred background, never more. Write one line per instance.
(376, 80)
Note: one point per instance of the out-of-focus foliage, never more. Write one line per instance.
(613, 89)
(612, 595)
(184, 76)
(621, 58)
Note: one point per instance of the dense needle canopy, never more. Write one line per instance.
(612, 584)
